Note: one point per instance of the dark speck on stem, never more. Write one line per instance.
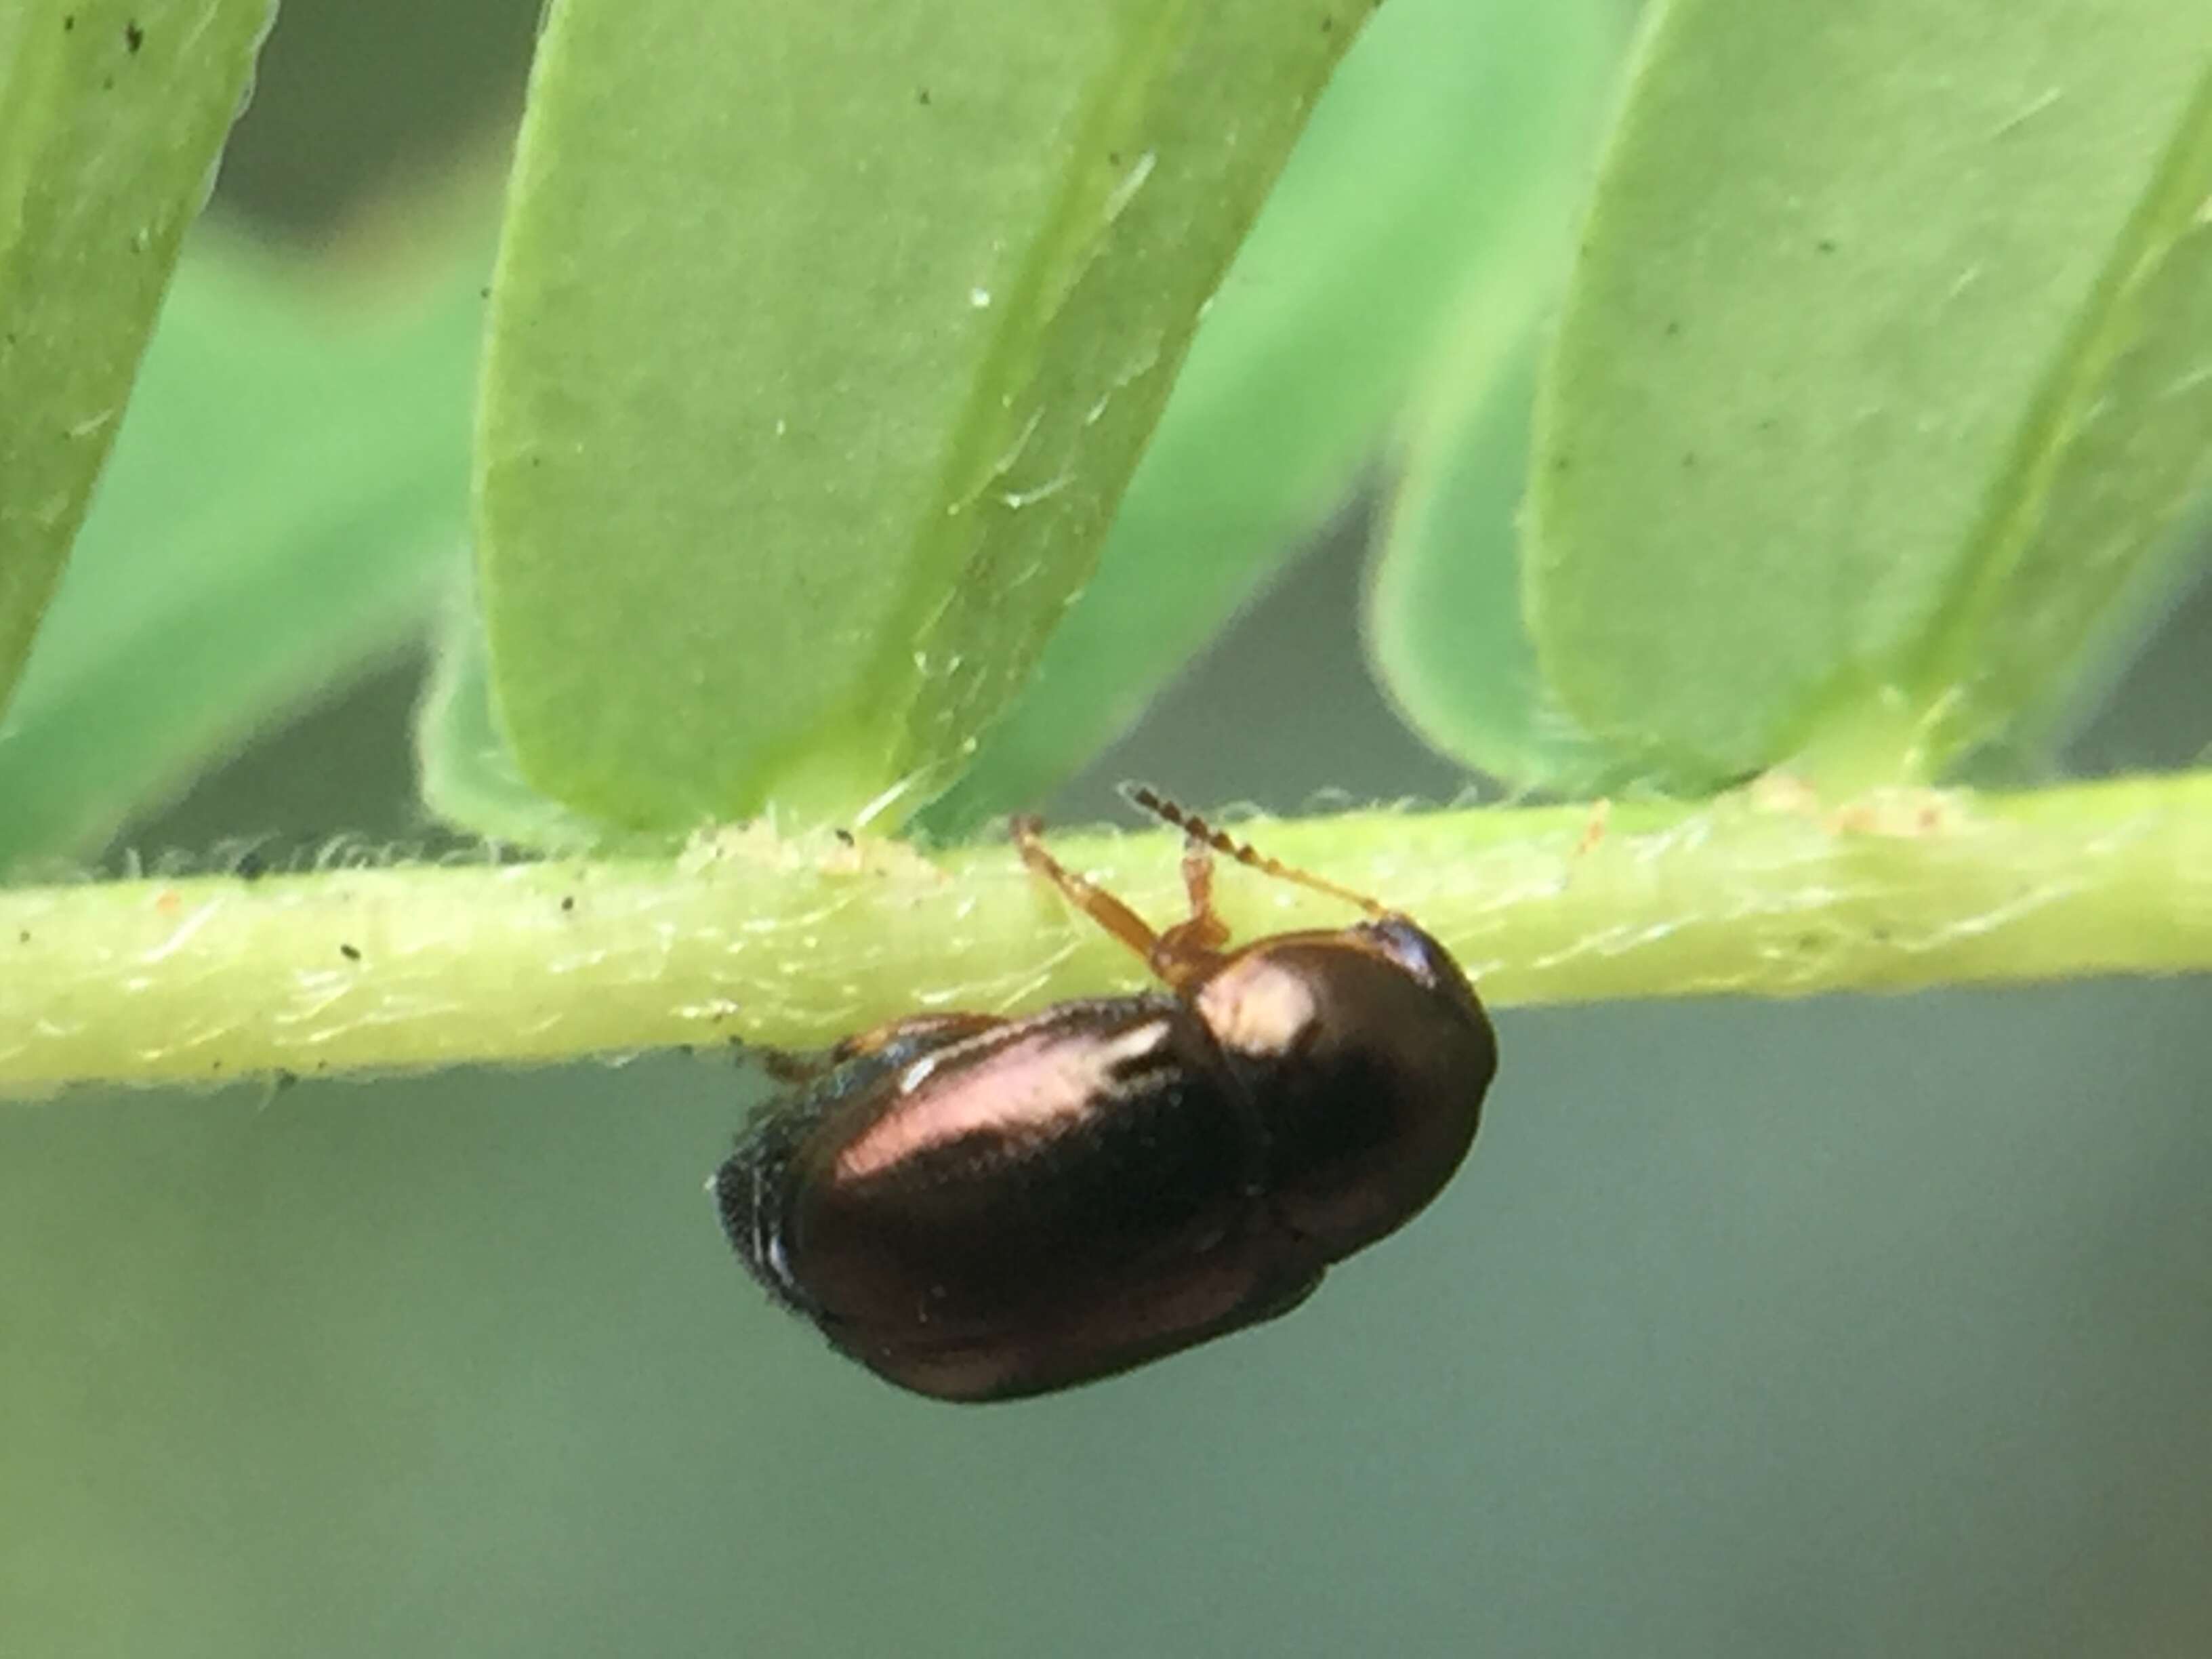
(133, 36)
(349, 953)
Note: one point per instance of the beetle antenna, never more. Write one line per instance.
(1198, 829)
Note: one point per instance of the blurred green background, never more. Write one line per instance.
(1852, 1327)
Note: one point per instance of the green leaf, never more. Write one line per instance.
(2094, 540)
(467, 773)
(286, 496)
(1875, 391)
(1438, 161)
(820, 355)
(1444, 620)
(111, 113)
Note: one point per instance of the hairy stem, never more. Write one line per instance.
(790, 943)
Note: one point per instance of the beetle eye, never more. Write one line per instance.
(1397, 940)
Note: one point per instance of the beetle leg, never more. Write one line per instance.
(1198, 940)
(935, 1030)
(1095, 901)
(791, 1067)
(1178, 955)
(1198, 882)
(794, 1068)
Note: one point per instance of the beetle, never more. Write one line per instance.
(983, 1208)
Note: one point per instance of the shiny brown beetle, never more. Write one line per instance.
(980, 1208)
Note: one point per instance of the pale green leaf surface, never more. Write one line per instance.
(287, 494)
(1439, 157)
(1444, 619)
(2096, 542)
(2027, 752)
(466, 772)
(820, 356)
(112, 114)
(1856, 417)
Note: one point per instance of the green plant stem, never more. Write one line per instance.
(791, 944)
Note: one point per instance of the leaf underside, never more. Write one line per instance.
(819, 359)
(1880, 382)
(112, 114)
(1430, 188)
